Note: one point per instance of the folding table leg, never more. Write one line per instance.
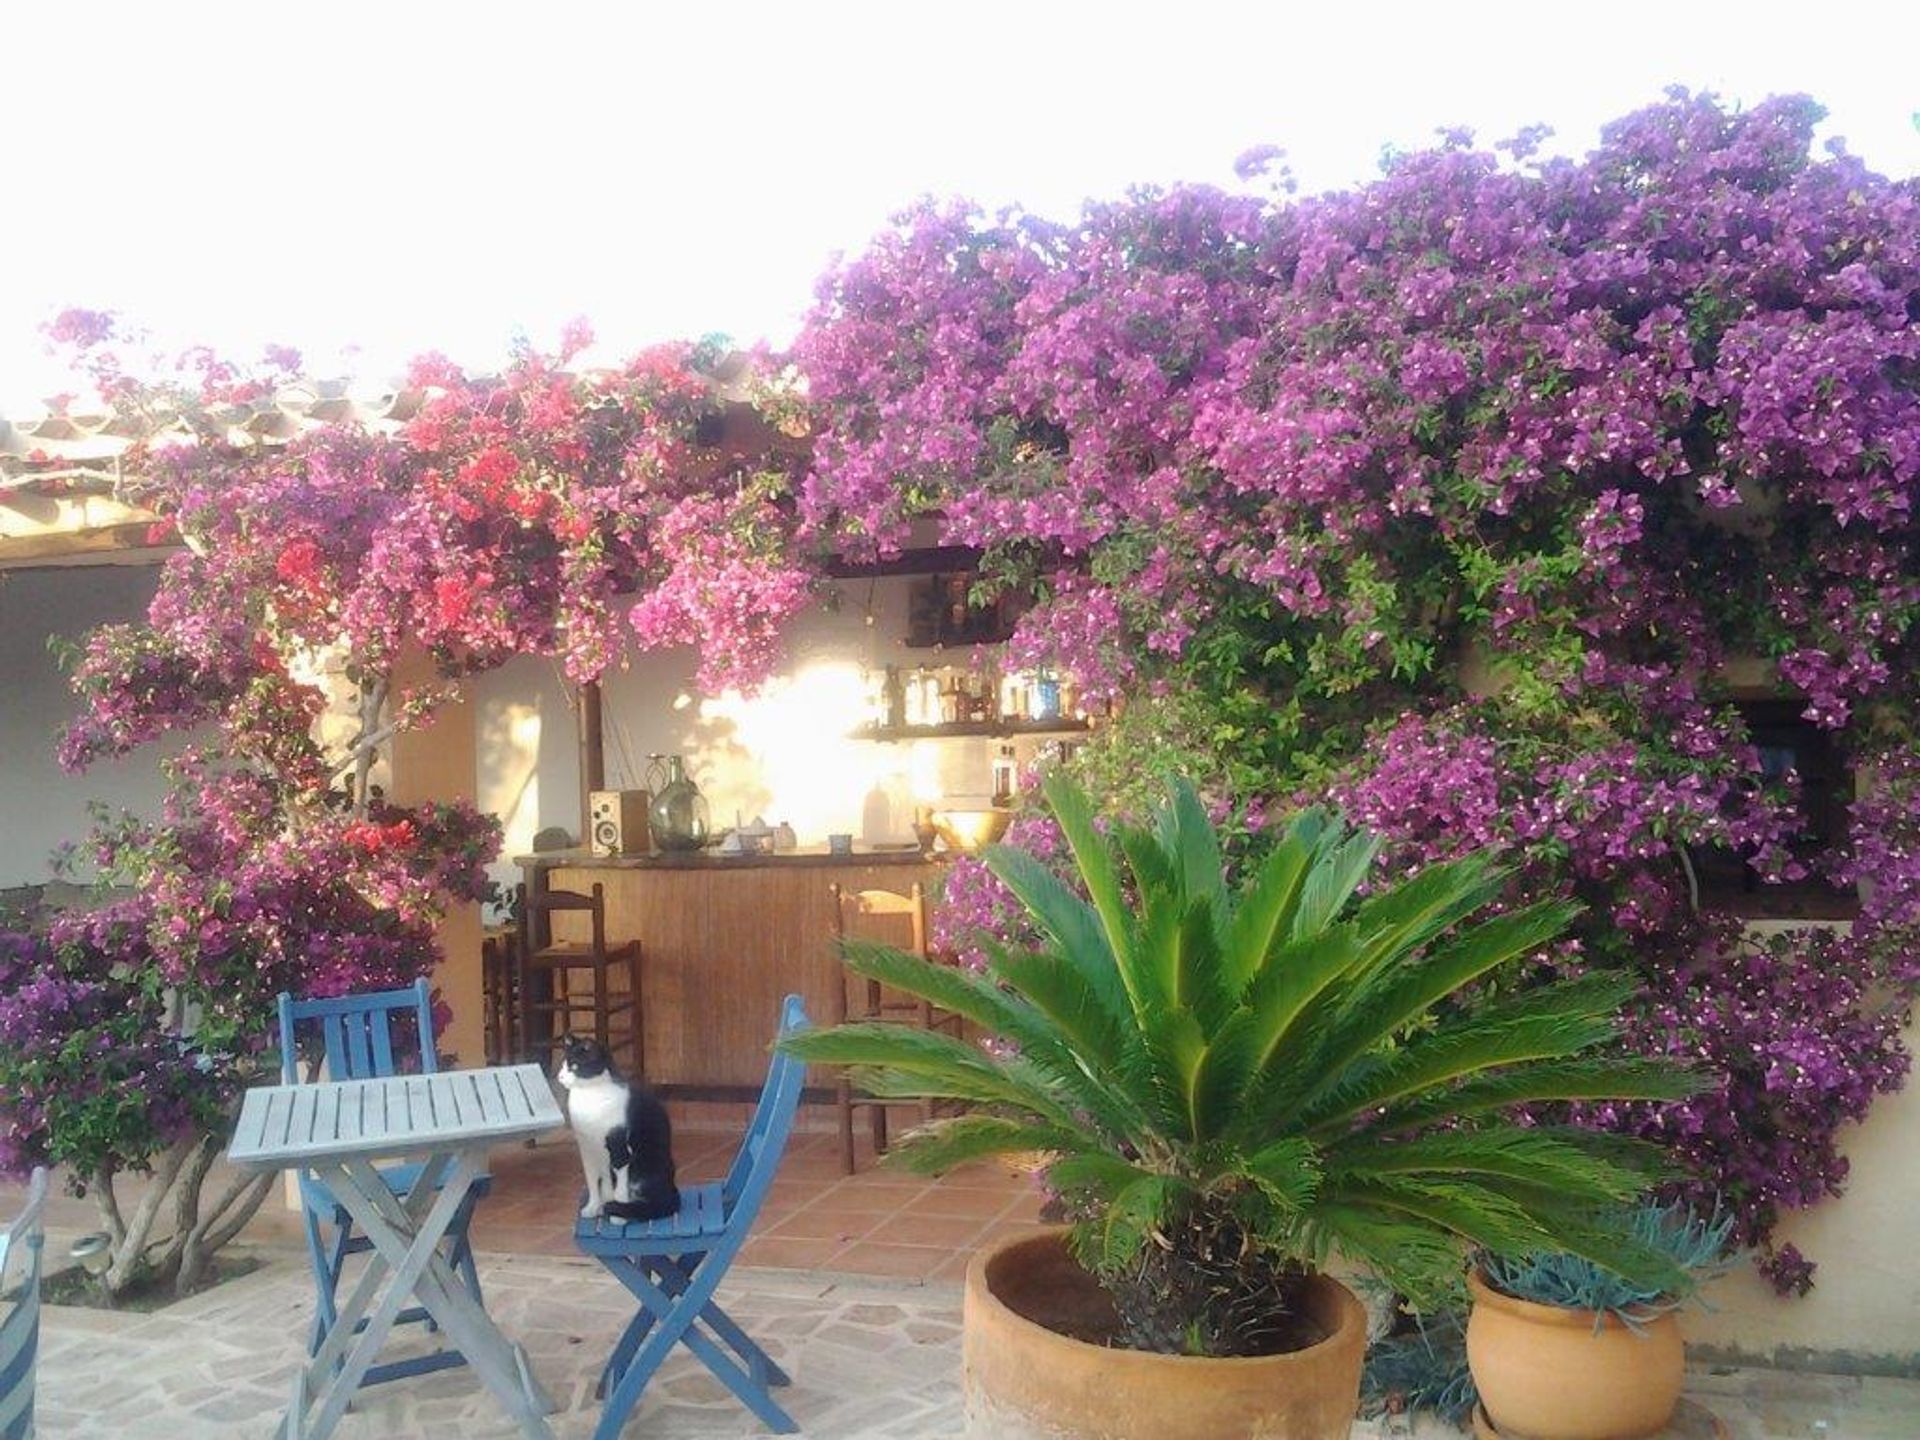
(430, 1277)
(388, 1228)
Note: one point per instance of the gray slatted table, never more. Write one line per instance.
(337, 1129)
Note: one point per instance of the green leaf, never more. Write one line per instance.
(944, 1144)
(936, 1064)
(1093, 859)
(1372, 1017)
(1071, 921)
(1265, 911)
(1335, 876)
(1587, 1078)
(1549, 1023)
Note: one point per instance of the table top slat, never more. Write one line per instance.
(253, 1121)
(300, 1122)
(287, 1126)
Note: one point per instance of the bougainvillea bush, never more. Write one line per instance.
(541, 512)
(1463, 498)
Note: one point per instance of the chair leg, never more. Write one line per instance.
(636, 1017)
(843, 1101)
(675, 1316)
(674, 1278)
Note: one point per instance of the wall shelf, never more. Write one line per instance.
(989, 729)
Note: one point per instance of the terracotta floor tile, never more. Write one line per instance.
(902, 1262)
(947, 1232)
(986, 1204)
(790, 1252)
(817, 1223)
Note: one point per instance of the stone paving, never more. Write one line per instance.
(870, 1361)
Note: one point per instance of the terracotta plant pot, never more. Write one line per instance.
(1544, 1374)
(1035, 1367)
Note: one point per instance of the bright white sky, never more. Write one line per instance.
(366, 181)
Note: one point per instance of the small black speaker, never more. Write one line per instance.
(617, 822)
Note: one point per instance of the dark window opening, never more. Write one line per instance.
(1811, 765)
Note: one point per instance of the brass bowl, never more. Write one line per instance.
(971, 830)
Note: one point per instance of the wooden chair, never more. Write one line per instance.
(20, 1247)
(869, 914)
(364, 1036)
(547, 1000)
(673, 1265)
(499, 991)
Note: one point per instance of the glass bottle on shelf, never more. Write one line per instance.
(678, 814)
(893, 700)
(1046, 698)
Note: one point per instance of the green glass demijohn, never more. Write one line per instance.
(678, 812)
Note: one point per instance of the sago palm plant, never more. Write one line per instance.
(1234, 1085)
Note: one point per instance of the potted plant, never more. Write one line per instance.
(1564, 1349)
(1234, 1084)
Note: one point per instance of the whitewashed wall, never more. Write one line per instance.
(40, 804)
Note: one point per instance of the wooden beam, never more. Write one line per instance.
(593, 752)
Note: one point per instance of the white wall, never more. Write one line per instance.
(40, 804)
(1864, 1311)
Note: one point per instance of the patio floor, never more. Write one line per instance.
(851, 1282)
(870, 1359)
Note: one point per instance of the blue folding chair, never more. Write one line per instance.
(360, 1044)
(20, 1330)
(673, 1265)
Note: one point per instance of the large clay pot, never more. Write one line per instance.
(1035, 1369)
(1544, 1373)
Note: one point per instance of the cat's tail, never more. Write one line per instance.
(655, 1207)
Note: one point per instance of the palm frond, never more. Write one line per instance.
(1583, 1078)
(935, 1148)
(1332, 881)
(929, 1064)
(1510, 1152)
(1264, 915)
(1550, 1023)
(1076, 929)
(1375, 1012)
(1093, 858)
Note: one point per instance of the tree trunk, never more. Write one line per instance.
(373, 700)
(132, 1248)
(180, 1252)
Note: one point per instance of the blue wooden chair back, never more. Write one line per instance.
(359, 1032)
(766, 1139)
(20, 1328)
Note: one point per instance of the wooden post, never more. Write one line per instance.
(593, 758)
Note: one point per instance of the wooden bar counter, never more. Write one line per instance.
(722, 940)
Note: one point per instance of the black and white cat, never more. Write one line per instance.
(626, 1142)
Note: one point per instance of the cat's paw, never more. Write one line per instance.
(591, 1210)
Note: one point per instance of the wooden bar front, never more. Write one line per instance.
(723, 941)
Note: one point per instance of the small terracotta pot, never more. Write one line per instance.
(1027, 1380)
(1545, 1374)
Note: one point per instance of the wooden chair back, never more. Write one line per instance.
(363, 1036)
(881, 914)
(537, 909)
